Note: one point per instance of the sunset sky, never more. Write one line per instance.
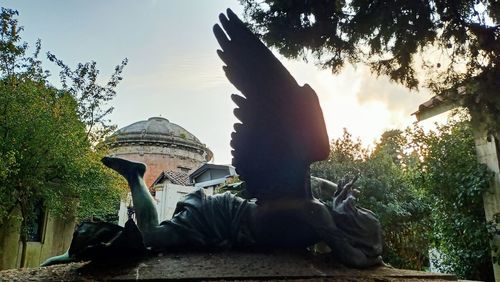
(174, 71)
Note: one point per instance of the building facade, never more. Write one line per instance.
(52, 237)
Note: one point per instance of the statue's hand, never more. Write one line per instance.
(344, 199)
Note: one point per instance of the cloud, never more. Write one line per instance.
(357, 100)
(397, 99)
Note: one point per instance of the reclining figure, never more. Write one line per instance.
(282, 131)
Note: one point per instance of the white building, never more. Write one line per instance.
(171, 186)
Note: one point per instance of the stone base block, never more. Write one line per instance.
(222, 266)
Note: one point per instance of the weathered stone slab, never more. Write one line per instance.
(221, 266)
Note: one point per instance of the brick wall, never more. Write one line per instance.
(159, 159)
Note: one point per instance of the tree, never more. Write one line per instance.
(47, 142)
(454, 182)
(91, 97)
(456, 41)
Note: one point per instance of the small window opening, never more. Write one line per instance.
(35, 225)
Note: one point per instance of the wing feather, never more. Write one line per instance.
(281, 130)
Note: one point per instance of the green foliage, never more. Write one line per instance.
(426, 189)
(457, 42)
(102, 188)
(454, 184)
(46, 135)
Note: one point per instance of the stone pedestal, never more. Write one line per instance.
(222, 266)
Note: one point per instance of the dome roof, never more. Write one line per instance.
(155, 128)
(157, 131)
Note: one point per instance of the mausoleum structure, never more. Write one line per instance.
(161, 145)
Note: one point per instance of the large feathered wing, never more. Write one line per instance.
(282, 130)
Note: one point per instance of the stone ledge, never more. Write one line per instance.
(222, 266)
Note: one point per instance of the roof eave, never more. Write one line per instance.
(428, 112)
(446, 101)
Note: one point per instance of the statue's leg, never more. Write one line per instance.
(155, 235)
(144, 206)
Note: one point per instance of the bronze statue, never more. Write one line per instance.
(281, 133)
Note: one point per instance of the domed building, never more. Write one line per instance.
(161, 145)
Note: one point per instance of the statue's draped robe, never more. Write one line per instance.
(218, 221)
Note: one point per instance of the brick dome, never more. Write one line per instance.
(161, 145)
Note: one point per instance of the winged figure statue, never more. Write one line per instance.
(280, 134)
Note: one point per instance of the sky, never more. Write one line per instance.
(174, 72)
